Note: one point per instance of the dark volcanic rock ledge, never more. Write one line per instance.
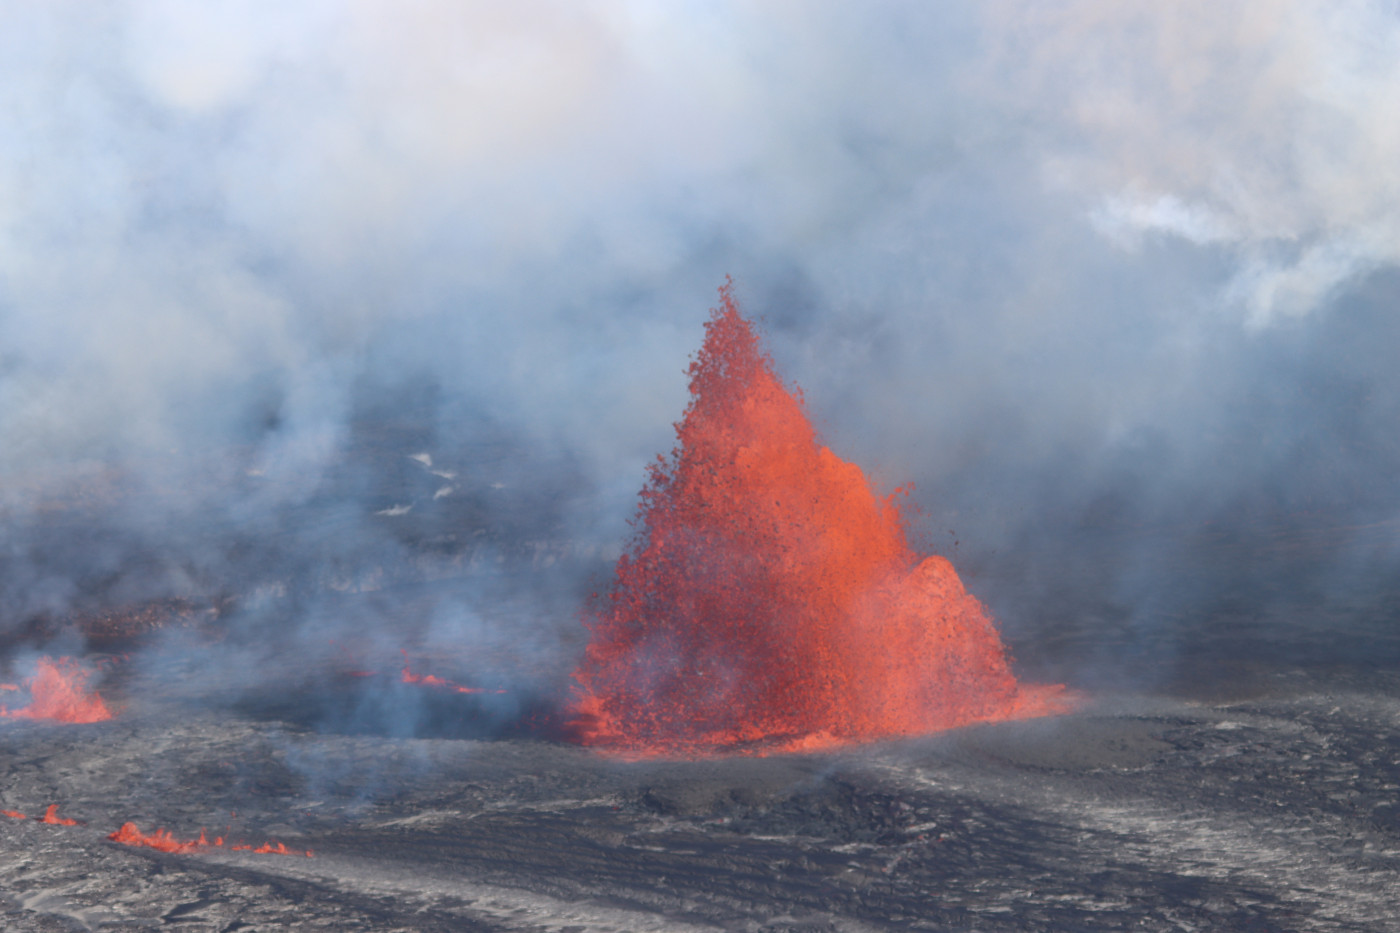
(1277, 813)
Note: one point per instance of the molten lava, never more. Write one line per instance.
(162, 839)
(53, 819)
(432, 680)
(268, 848)
(50, 816)
(130, 835)
(58, 691)
(770, 600)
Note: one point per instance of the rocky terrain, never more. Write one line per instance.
(1272, 811)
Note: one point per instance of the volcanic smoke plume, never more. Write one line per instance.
(771, 600)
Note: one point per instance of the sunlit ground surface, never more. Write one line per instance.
(1236, 766)
(1275, 807)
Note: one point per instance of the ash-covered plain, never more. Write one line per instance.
(394, 704)
(1265, 802)
(1234, 762)
(336, 339)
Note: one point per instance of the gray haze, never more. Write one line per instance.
(1114, 284)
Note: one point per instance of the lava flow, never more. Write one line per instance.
(53, 819)
(770, 600)
(58, 691)
(50, 816)
(163, 840)
(432, 680)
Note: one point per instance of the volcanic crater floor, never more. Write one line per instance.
(1275, 811)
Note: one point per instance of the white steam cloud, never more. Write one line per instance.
(1268, 126)
(1061, 264)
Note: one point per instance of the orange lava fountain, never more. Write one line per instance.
(58, 691)
(771, 601)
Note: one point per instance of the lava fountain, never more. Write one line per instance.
(58, 691)
(770, 600)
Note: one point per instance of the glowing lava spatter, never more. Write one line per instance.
(163, 840)
(409, 677)
(50, 816)
(58, 691)
(53, 819)
(770, 600)
(432, 680)
(129, 835)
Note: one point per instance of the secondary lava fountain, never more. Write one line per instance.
(771, 600)
(58, 691)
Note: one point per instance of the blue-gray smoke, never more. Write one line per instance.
(330, 300)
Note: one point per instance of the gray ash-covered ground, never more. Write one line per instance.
(1235, 764)
(1272, 811)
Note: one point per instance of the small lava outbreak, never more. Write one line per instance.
(432, 680)
(58, 691)
(162, 840)
(770, 600)
(52, 818)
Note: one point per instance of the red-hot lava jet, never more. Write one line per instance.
(58, 691)
(770, 599)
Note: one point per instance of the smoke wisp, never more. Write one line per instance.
(307, 310)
